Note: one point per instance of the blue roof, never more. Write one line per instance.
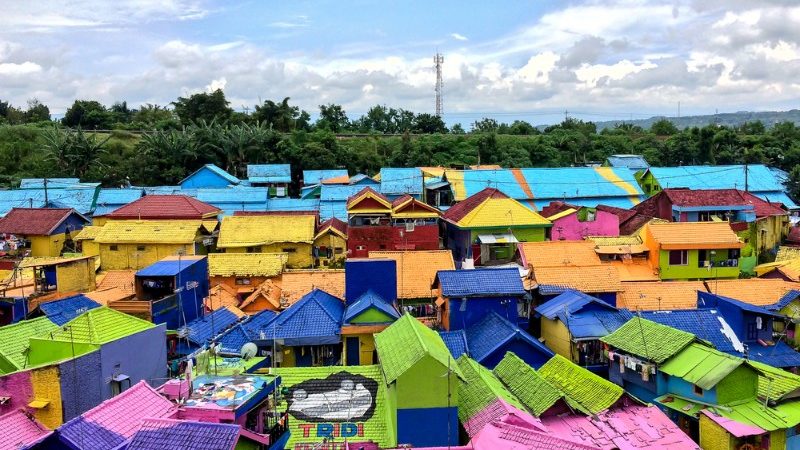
(633, 162)
(232, 195)
(292, 204)
(362, 179)
(456, 342)
(494, 331)
(480, 282)
(399, 181)
(80, 430)
(316, 176)
(779, 355)
(777, 197)
(63, 310)
(787, 298)
(585, 316)
(250, 330)
(169, 267)
(339, 192)
(570, 301)
(706, 324)
(111, 199)
(269, 173)
(216, 170)
(369, 300)
(316, 319)
(52, 183)
(328, 210)
(160, 434)
(168, 190)
(709, 300)
(203, 329)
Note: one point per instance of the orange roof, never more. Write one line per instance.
(559, 254)
(756, 291)
(122, 279)
(635, 269)
(110, 295)
(694, 235)
(417, 269)
(297, 283)
(268, 290)
(343, 179)
(219, 296)
(659, 295)
(603, 278)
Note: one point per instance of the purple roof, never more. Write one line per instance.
(160, 434)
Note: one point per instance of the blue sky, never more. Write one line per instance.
(531, 60)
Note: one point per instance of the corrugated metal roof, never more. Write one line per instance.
(759, 177)
(396, 181)
(170, 266)
(701, 365)
(311, 177)
(234, 195)
(635, 162)
(269, 173)
(213, 168)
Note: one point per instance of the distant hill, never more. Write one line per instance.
(768, 118)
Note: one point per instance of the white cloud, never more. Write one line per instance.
(459, 37)
(19, 69)
(217, 85)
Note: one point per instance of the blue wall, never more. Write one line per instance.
(478, 308)
(683, 388)
(632, 382)
(427, 427)
(150, 365)
(73, 222)
(204, 178)
(379, 275)
(532, 356)
(81, 381)
(191, 300)
(459, 242)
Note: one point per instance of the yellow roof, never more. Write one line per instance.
(561, 214)
(417, 269)
(246, 264)
(756, 291)
(221, 295)
(590, 279)
(88, 233)
(210, 225)
(432, 172)
(148, 232)
(41, 261)
(501, 212)
(122, 279)
(635, 269)
(659, 295)
(249, 231)
(297, 283)
(694, 235)
(602, 241)
(559, 253)
(785, 253)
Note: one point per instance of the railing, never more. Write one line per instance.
(279, 429)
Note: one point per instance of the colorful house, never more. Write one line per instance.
(789, 306)
(699, 250)
(244, 272)
(415, 359)
(397, 182)
(297, 283)
(74, 274)
(291, 234)
(330, 243)
(376, 223)
(129, 244)
(14, 342)
(21, 430)
(251, 329)
(572, 323)
(486, 227)
(573, 222)
(162, 207)
(85, 241)
(275, 177)
(43, 231)
(488, 341)
(209, 176)
(363, 318)
(467, 296)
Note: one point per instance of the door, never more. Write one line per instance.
(353, 351)
(476, 254)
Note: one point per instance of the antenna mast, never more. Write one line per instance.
(438, 60)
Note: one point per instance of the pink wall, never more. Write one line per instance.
(18, 386)
(571, 229)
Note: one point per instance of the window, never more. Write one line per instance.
(113, 248)
(697, 389)
(678, 257)
(253, 249)
(704, 216)
(243, 281)
(759, 323)
(361, 247)
(734, 253)
(289, 250)
(339, 251)
(382, 246)
(140, 248)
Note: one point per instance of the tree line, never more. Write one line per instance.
(202, 128)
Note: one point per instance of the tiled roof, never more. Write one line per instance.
(220, 296)
(99, 326)
(269, 291)
(63, 310)
(494, 331)
(724, 197)
(479, 390)
(480, 283)
(165, 207)
(249, 231)
(531, 388)
(706, 324)
(34, 221)
(456, 342)
(246, 264)
(491, 208)
(778, 355)
(334, 225)
(659, 295)
(774, 383)
(614, 241)
(149, 232)
(121, 279)
(108, 296)
(269, 173)
(417, 269)
(635, 269)
(405, 342)
(314, 320)
(593, 393)
(297, 283)
(112, 422)
(694, 235)
(316, 176)
(569, 302)
(786, 253)
(756, 291)
(407, 180)
(369, 300)
(20, 430)
(248, 331)
(649, 340)
(203, 329)
(784, 301)
(701, 365)
(558, 208)
(591, 279)
(14, 341)
(160, 434)
(584, 316)
(88, 233)
(559, 253)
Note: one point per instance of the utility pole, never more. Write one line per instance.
(746, 185)
(438, 60)
(45, 192)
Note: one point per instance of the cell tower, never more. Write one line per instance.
(438, 60)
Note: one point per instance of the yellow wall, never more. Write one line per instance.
(76, 276)
(99, 221)
(128, 257)
(90, 248)
(301, 258)
(366, 344)
(713, 436)
(334, 241)
(47, 245)
(556, 337)
(46, 385)
(777, 439)
(776, 228)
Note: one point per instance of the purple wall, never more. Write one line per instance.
(17, 386)
(141, 356)
(571, 229)
(80, 381)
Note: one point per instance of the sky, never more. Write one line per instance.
(528, 60)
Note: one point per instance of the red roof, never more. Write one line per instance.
(165, 207)
(630, 220)
(556, 207)
(377, 194)
(723, 197)
(464, 207)
(334, 223)
(794, 235)
(400, 200)
(34, 221)
(622, 213)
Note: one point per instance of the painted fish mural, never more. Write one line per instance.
(339, 397)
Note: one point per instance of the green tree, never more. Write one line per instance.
(485, 125)
(203, 107)
(74, 151)
(281, 116)
(333, 118)
(663, 127)
(428, 124)
(37, 111)
(88, 115)
(154, 117)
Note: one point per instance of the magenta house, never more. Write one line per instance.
(574, 223)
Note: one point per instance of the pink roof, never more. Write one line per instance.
(731, 426)
(20, 430)
(511, 437)
(500, 411)
(123, 414)
(626, 428)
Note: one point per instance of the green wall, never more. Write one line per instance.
(741, 384)
(46, 351)
(523, 234)
(425, 386)
(691, 271)
(372, 315)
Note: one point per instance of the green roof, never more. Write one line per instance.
(749, 412)
(406, 342)
(479, 389)
(583, 389)
(99, 326)
(775, 383)
(14, 341)
(701, 365)
(649, 340)
(525, 383)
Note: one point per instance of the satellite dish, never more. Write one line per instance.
(248, 351)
